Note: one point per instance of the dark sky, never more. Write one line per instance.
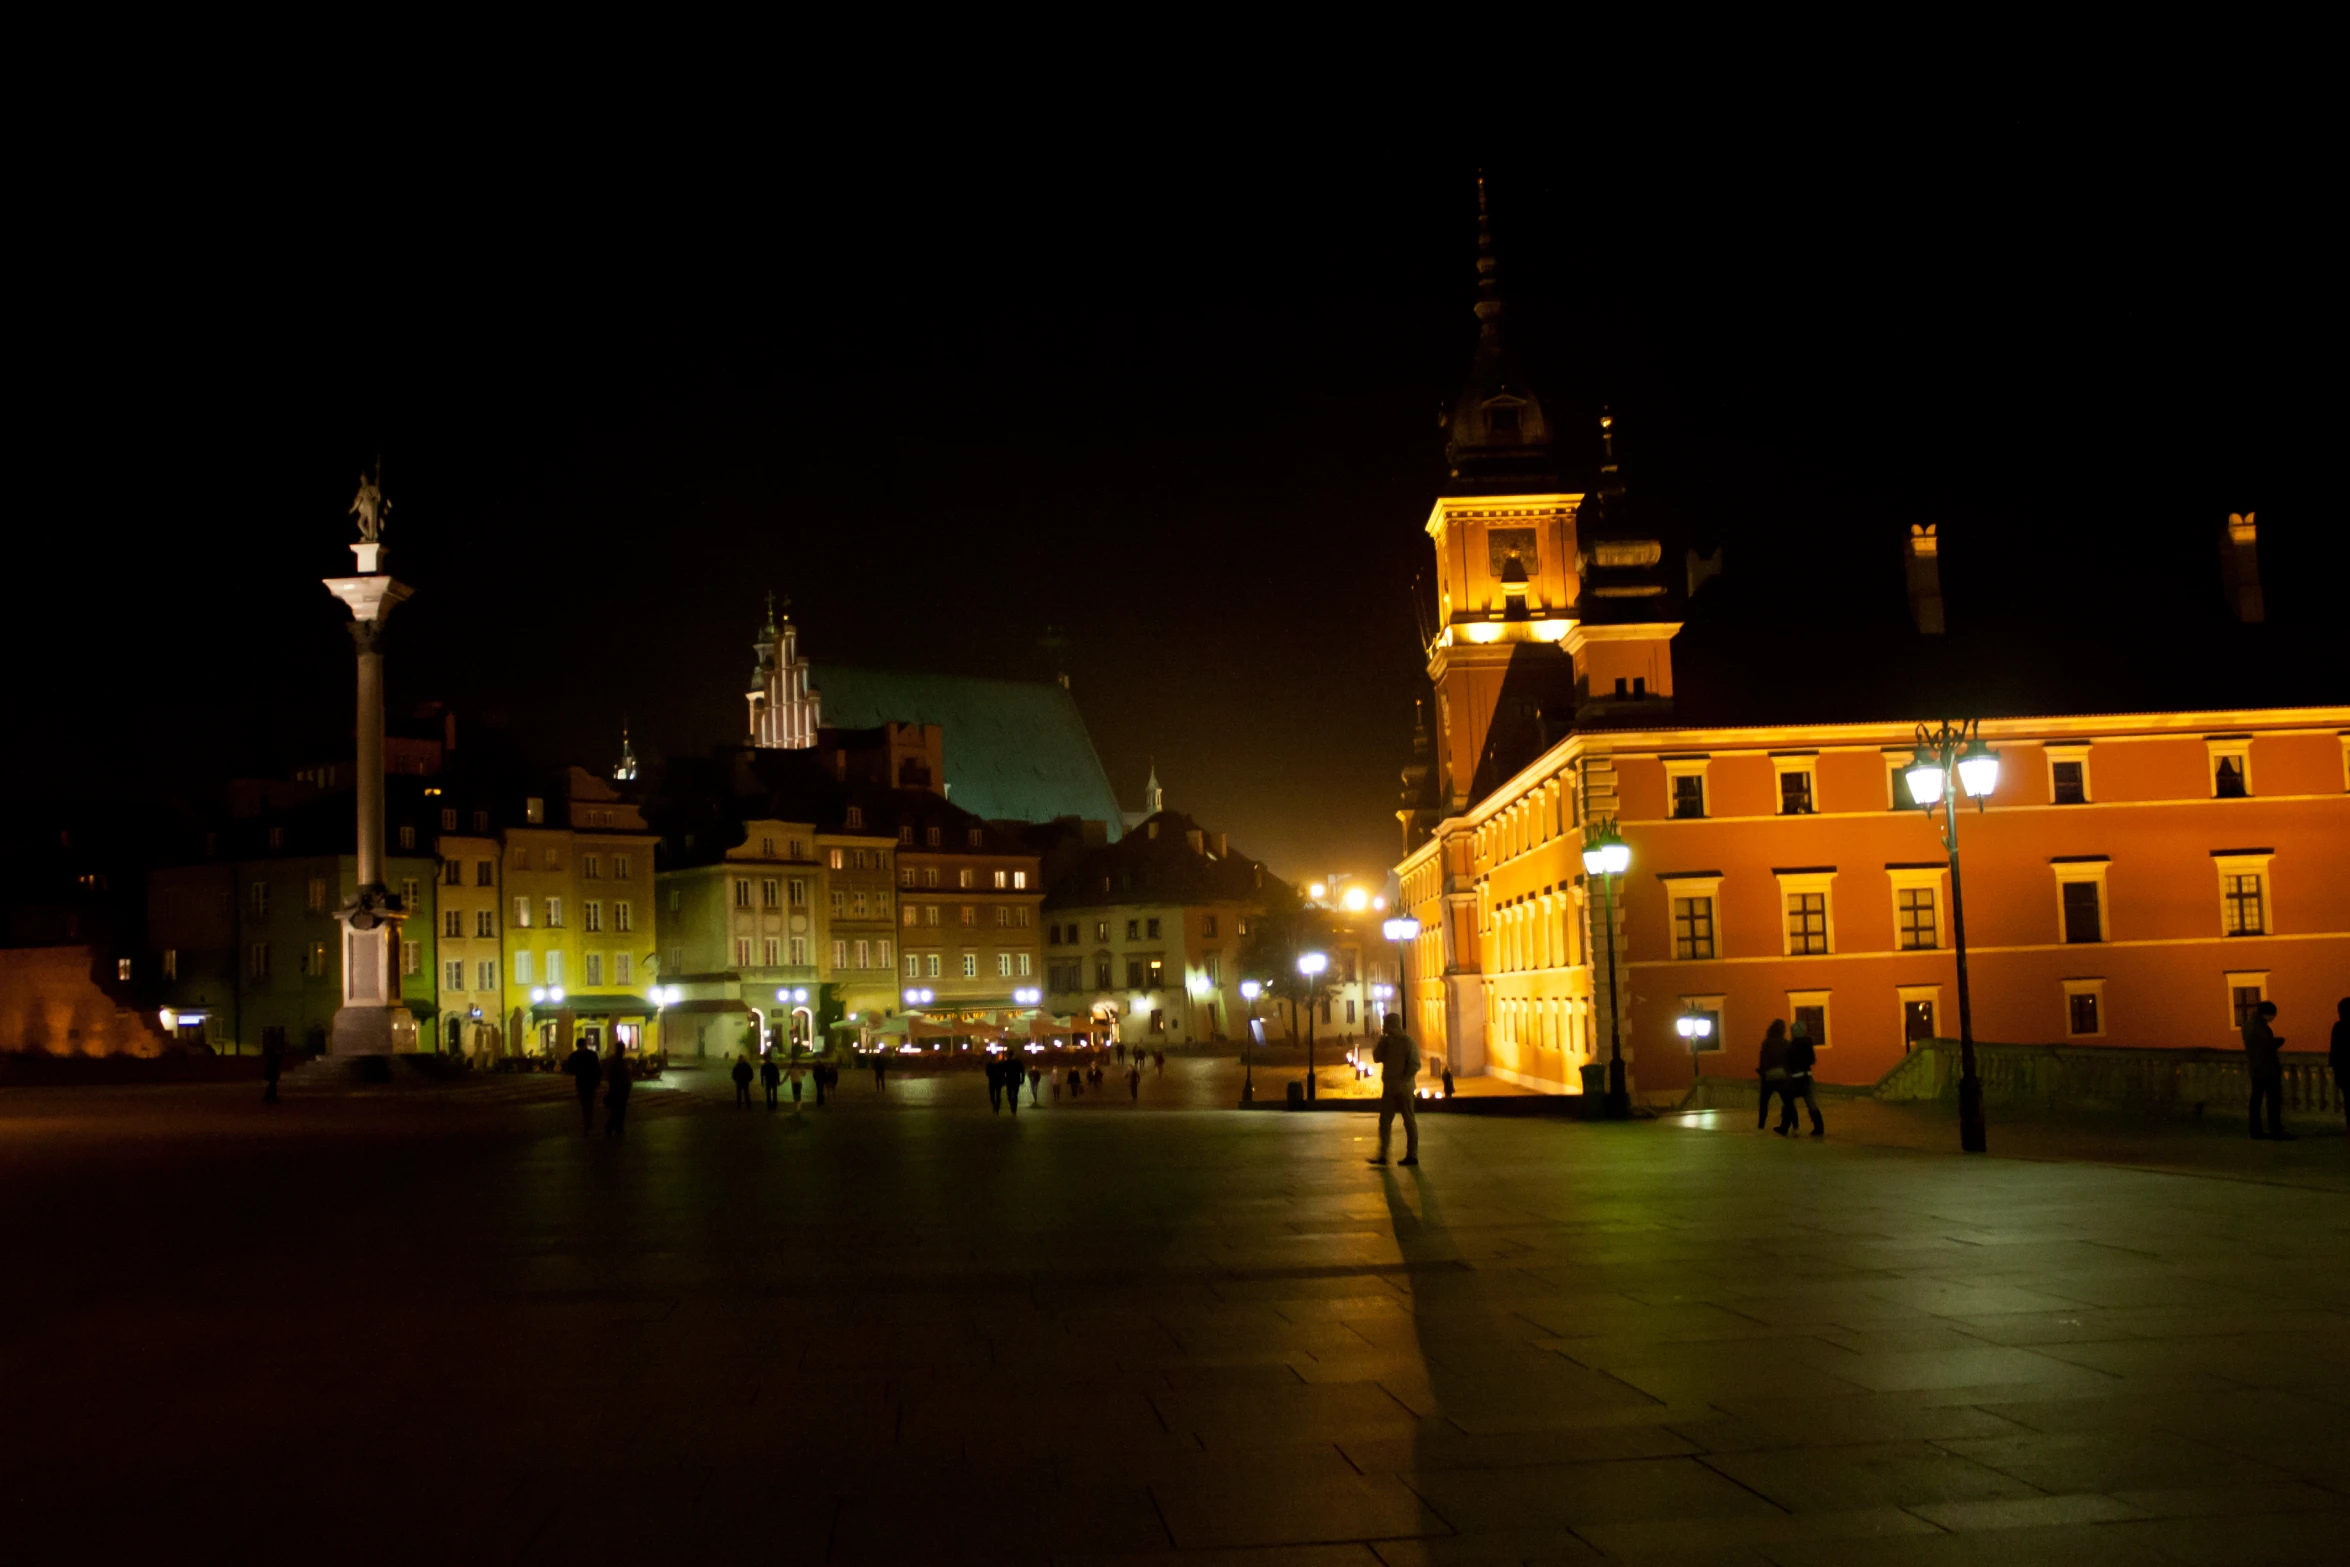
(1183, 408)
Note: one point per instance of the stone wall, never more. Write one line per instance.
(50, 1005)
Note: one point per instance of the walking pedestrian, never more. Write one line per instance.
(1770, 1070)
(2266, 1072)
(1076, 1084)
(823, 1072)
(586, 1072)
(1012, 1086)
(1134, 1082)
(619, 1081)
(273, 1063)
(1399, 1076)
(2338, 1053)
(1801, 1054)
(770, 1079)
(880, 1071)
(995, 1086)
(1035, 1078)
(795, 1088)
(742, 1082)
(1448, 1082)
(1159, 1062)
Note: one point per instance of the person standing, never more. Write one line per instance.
(742, 1082)
(770, 1079)
(995, 1086)
(273, 1064)
(823, 1071)
(619, 1082)
(880, 1071)
(1399, 1076)
(1035, 1081)
(795, 1088)
(1134, 1081)
(586, 1073)
(2266, 1072)
(1801, 1054)
(1012, 1085)
(2338, 1053)
(1770, 1070)
(1159, 1062)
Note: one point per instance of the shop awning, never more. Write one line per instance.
(594, 1006)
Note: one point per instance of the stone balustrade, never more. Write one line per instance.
(2110, 1077)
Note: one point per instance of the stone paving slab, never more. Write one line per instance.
(440, 1325)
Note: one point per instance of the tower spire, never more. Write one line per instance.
(1498, 431)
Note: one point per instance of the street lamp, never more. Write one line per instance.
(1311, 965)
(1943, 751)
(1606, 855)
(1694, 1026)
(1402, 931)
(1249, 991)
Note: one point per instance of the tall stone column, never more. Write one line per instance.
(373, 1023)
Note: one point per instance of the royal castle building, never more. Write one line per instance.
(2162, 848)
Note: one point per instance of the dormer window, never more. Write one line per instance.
(1501, 421)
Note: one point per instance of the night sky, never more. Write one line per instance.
(1185, 410)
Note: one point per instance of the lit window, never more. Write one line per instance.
(122, 968)
(1795, 797)
(1685, 785)
(1693, 927)
(1807, 923)
(2243, 892)
(840, 956)
(621, 964)
(595, 968)
(913, 965)
(966, 877)
(1003, 879)
(554, 914)
(486, 975)
(522, 968)
(592, 914)
(623, 916)
(522, 914)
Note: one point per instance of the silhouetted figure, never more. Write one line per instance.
(1770, 1070)
(770, 1079)
(880, 1072)
(742, 1082)
(1448, 1083)
(1035, 1078)
(1801, 1053)
(1012, 1086)
(273, 1065)
(2338, 1053)
(1118, 1051)
(822, 1072)
(1399, 1077)
(1134, 1082)
(587, 1073)
(2266, 1072)
(619, 1083)
(1076, 1084)
(1159, 1062)
(795, 1089)
(995, 1086)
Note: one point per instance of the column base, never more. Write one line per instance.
(372, 1031)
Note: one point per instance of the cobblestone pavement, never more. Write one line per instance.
(439, 1324)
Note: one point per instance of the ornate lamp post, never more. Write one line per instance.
(1249, 991)
(372, 1023)
(1606, 856)
(1310, 967)
(1943, 751)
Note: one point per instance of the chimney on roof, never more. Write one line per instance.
(1197, 839)
(1925, 578)
(2239, 568)
(1223, 846)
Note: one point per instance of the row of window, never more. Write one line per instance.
(591, 913)
(547, 968)
(1071, 932)
(485, 873)
(1007, 916)
(485, 922)
(318, 896)
(927, 876)
(1008, 965)
(2228, 758)
(1141, 973)
(259, 960)
(859, 904)
(591, 866)
(2080, 1009)
(1808, 910)
(481, 824)
(773, 893)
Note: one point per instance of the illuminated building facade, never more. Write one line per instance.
(1147, 934)
(2160, 852)
(783, 702)
(580, 936)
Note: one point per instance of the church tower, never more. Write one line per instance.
(783, 706)
(1508, 573)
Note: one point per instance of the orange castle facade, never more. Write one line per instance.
(2137, 877)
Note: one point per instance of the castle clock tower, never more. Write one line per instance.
(1508, 574)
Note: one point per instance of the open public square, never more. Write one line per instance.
(436, 1323)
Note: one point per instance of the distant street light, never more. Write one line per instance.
(1941, 752)
(1606, 855)
(1249, 991)
(1311, 965)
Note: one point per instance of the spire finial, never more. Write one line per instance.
(1488, 266)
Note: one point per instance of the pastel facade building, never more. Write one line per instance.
(580, 937)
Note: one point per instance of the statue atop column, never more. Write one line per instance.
(370, 506)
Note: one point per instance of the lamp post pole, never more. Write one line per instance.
(1605, 855)
(1951, 758)
(1249, 991)
(1310, 968)
(1619, 1097)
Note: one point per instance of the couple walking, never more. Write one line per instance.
(1785, 1069)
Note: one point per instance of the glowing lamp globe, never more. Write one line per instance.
(1978, 770)
(1925, 780)
(1310, 963)
(1250, 990)
(1404, 929)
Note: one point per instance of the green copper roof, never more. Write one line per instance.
(1015, 751)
